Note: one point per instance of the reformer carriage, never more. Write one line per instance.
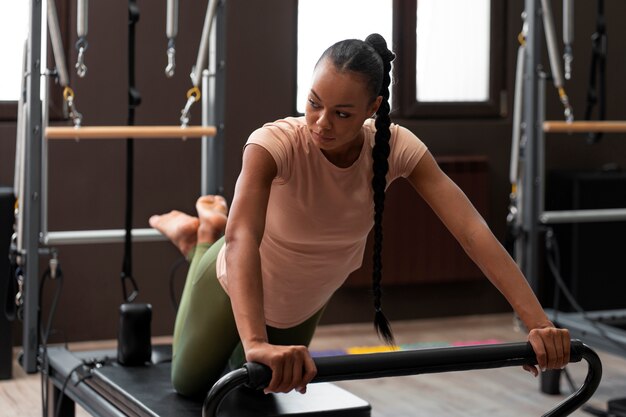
(94, 380)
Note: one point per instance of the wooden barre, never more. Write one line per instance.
(608, 126)
(123, 132)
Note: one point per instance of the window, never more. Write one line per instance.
(452, 48)
(449, 57)
(14, 30)
(14, 26)
(324, 22)
(448, 51)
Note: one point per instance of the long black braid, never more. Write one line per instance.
(380, 153)
(373, 59)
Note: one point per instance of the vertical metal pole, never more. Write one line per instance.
(220, 92)
(530, 212)
(212, 181)
(209, 183)
(541, 143)
(32, 190)
(44, 158)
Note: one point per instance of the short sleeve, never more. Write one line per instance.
(406, 151)
(278, 141)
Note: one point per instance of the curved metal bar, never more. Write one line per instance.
(577, 399)
(223, 387)
(57, 44)
(379, 365)
(203, 49)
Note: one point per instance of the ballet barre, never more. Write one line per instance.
(607, 126)
(124, 132)
(84, 237)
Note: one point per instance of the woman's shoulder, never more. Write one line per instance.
(282, 138)
(398, 132)
(287, 130)
(293, 125)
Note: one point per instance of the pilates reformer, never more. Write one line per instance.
(32, 237)
(528, 219)
(104, 388)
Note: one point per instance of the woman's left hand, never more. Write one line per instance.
(552, 347)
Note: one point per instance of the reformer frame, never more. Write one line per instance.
(104, 388)
(33, 196)
(534, 217)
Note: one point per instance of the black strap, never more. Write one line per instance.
(134, 100)
(596, 92)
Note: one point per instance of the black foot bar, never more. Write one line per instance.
(423, 361)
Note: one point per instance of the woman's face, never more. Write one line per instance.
(337, 106)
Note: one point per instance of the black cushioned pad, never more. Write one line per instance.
(143, 391)
(147, 391)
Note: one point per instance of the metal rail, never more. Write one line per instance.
(82, 237)
(380, 365)
(124, 132)
(584, 126)
(580, 216)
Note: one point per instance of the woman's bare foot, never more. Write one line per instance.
(212, 211)
(180, 228)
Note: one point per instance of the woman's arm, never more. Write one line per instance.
(469, 228)
(292, 366)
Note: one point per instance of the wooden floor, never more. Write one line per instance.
(506, 392)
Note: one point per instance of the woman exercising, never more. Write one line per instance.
(309, 192)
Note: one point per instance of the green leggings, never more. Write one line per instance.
(206, 341)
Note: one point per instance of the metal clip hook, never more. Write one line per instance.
(81, 68)
(68, 95)
(184, 114)
(54, 265)
(521, 37)
(77, 118)
(193, 95)
(568, 110)
(19, 297)
(171, 62)
(567, 60)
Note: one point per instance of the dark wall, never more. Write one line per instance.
(87, 178)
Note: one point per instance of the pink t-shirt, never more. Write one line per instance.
(318, 217)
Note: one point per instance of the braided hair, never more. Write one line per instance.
(372, 59)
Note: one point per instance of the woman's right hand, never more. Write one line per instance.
(292, 366)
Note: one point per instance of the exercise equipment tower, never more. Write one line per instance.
(528, 216)
(32, 236)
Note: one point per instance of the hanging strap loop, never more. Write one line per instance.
(126, 280)
(596, 91)
(134, 100)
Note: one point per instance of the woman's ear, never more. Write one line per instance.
(375, 105)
